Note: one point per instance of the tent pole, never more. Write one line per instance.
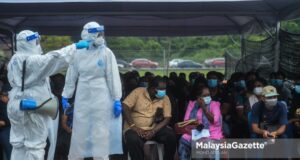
(168, 56)
(164, 66)
(242, 37)
(277, 48)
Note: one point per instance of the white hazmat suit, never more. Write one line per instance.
(96, 131)
(30, 130)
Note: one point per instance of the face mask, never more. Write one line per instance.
(242, 83)
(258, 90)
(192, 81)
(99, 41)
(270, 103)
(207, 100)
(273, 82)
(144, 84)
(279, 82)
(212, 83)
(297, 89)
(160, 94)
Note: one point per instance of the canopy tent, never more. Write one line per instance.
(146, 17)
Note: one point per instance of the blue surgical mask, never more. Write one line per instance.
(297, 89)
(279, 82)
(212, 83)
(160, 94)
(144, 84)
(207, 100)
(242, 83)
(273, 82)
(192, 81)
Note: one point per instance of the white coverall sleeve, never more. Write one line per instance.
(42, 66)
(113, 76)
(70, 82)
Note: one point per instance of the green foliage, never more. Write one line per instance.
(291, 26)
(50, 43)
(195, 48)
(3, 57)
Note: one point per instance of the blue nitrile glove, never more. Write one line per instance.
(82, 44)
(65, 103)
(117, 108)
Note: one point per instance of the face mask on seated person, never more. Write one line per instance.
(207, 100)
(212, 83)
(160, 94)
(257, 91)
(279, 82)
(270, 103)
(240, 85)
(297, 89)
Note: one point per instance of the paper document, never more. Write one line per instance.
(197, 135)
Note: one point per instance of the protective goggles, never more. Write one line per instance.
(96, 30)
(32, 37)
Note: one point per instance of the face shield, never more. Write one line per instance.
(28, 42)
(99, 33)
(96, 30)
(34, 36)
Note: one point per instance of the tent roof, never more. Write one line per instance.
(146, 17)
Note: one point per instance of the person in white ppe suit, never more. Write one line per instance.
(97, 121)
(29, 130)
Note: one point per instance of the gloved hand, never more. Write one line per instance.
(65, 103)
(82, 44)
(117, 108)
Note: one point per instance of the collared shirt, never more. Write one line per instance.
(143, 108)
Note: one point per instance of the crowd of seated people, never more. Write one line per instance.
(240, 102)
(229, 109)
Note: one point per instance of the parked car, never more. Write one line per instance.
(143, 63)
(123, 64)
(218, 63)
(215, 62)
(174, 62)
(189, 64)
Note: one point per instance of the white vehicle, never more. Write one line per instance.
(174, 62)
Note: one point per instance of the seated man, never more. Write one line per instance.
(142, 121)
(269, 116)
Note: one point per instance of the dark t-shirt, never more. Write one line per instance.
(278, 115)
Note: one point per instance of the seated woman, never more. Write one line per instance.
(208, 113)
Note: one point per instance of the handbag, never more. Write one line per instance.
(186, 127)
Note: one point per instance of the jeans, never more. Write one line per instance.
(184, 149)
